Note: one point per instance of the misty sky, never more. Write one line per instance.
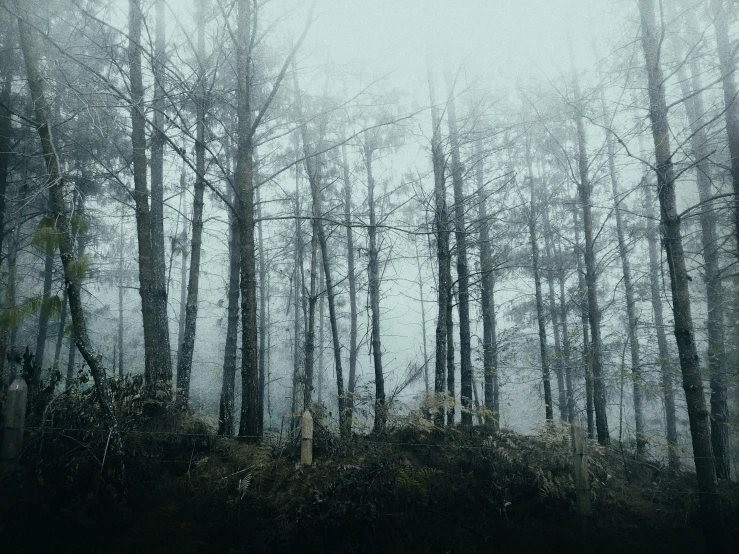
(502, 39)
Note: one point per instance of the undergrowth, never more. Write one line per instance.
(415, 488)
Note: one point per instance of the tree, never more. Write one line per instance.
(441, 228)
(540, 317)
(152, 288)
(595, 355)
(655, 272)
(352, 279)
(633, 334)
(460, 233)
(72, 266)
(726, 55)
(695, 111)
(487, 302)
(672, 244)
(187, 339)
(369, 146)
(244, 180)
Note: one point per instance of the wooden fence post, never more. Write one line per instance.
(306, 445)
(11, 437)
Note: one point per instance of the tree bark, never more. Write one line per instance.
(540, 317)
(226, 408)
(554, 311)
(566, 349)
(182, 239)
(489, 347)
(633, 329)
(79, 203)
(441, 228)
(333, 319)
(585, 323)
(584, 187)
(313, 165)
(157, 147)
(121, 349)
(727, 64)
(321, 336)
(152, 288)
(423, 319)
(244, 181)
(374, 292)
(298, 287)
(187, 340)
(712, 271)
(672, 243)
(31, 55)
(460, 233)
(655, 273)
(6, 126)
(352, 279)
(43, 320)
(60, 331)
(263, 327)
(8, 337)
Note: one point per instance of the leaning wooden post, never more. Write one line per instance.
(306, 446)
(11, 439)
(582, 479)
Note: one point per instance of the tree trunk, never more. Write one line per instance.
(374, 292)
(157, 147)
(158, 364)
(450, 343)
(423, 319)
(121, 349)
(263, 327)
(182, 239)
(187, 340)
(566, 350)
(226, 408)
(321, 336)
(441, 227)
(591, 278)
(489, 353)
(672, 243)
(540, 317)
(587, 367)
(726, 53)
(460, 232)
(313, 165)
(351, 277)
(655, 273)
(633, 335)
(72, 277)
(297, 282)
(712, 272)
(554, 311)
(6, 125)
(244, 181)
(43, 320)
(79, 202)
(60, 331)
(333, 319)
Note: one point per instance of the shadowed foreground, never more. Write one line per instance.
(414, 489)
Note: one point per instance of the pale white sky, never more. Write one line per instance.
(494, 38)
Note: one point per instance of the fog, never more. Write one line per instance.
(577, 158)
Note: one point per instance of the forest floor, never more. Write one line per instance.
(413, 489)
